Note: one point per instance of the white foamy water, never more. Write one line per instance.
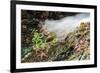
(67, 24)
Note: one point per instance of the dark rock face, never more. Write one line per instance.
(43, 15)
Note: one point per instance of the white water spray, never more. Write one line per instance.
(65, 25)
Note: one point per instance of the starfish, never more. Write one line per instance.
(42, 55)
